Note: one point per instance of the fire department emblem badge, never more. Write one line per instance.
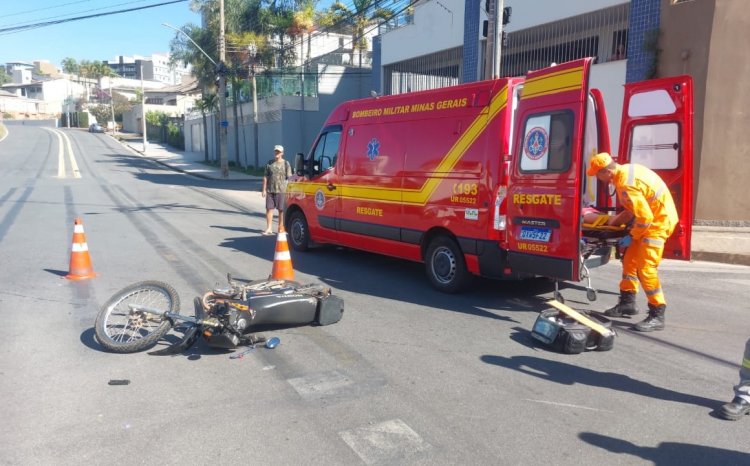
(373, 149)
(320, 199)
(536, 143)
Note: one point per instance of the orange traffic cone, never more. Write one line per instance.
(80, 262)
(282, 260)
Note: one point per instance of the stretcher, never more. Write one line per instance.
(597, 241)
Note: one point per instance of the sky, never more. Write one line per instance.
(103, 38)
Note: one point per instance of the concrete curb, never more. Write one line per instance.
(723, 257)
(181, 170)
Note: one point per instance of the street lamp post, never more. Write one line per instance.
(112, 105)
(253, 60)
(143, 113)
(222, 88)
(223, 96)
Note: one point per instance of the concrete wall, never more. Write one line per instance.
(707, 40)
(291, 121)
(529, 13)
(438, 25)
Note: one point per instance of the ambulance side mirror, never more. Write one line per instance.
(299, 164)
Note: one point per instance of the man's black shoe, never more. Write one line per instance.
(654, 321)
(734, 410)
(625, 306)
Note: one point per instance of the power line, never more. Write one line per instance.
(44, 9)
(15, 29)
(36, 20)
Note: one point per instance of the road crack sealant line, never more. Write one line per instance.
(184, 270)
(201, 254)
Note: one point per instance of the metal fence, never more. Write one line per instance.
(602, 34)
(432, 71)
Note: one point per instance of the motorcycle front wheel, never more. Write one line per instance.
(121, 329)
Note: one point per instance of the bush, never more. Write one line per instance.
(174, 136)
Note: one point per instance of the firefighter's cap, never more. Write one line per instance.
(597, 162)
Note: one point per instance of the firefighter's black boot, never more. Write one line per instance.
(654, 321)
(624, 307)
(735, 409)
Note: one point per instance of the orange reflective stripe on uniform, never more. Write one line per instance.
(632, 278)
(652, 292)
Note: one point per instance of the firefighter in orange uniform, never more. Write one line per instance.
(644, 193)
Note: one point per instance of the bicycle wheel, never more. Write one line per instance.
(121, 329)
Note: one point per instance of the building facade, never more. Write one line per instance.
(153, 68)
(631, 40)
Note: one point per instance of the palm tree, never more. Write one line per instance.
(365, 13)
(303, 22)
(206, 104)
(70, 65)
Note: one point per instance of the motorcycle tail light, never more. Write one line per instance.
(208, 333)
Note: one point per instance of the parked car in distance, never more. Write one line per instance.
(95, 128)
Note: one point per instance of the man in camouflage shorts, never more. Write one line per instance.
(278, 171)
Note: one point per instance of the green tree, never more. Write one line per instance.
(205, 105)
(303, 22)
(160, 120)
(102, 113)
(4, 78)
(70, 65)
(356, 22)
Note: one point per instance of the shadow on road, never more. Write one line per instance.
(370, 274)
(569, 374)
(668, 453)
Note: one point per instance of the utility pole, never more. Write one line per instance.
(255, 112)
(222, 96)
(143, 113)
(112, 104)
(494, 39)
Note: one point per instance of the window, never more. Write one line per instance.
(326, 150)
(547, 143)
(656, 146)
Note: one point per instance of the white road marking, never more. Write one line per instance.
(389, 442)
(315, 385)
(567, 405)
(61, 154)
(73, 164)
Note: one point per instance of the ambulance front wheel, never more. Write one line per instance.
(299, 233)
(445, 264)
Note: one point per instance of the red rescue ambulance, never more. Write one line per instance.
(487, 178)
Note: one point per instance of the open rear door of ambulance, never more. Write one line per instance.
(544, 193)
(657, 131)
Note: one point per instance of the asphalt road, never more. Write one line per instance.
(408, 376)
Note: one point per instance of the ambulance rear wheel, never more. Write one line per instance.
(445, 264)
(299, 233)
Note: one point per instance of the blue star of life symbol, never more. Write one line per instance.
(373, 147)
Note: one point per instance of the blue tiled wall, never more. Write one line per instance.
(644, 23)
(471, 40)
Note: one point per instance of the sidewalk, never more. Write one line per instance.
(730, 245)
(184, 161)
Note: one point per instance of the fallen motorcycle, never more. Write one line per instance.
(138, 316)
